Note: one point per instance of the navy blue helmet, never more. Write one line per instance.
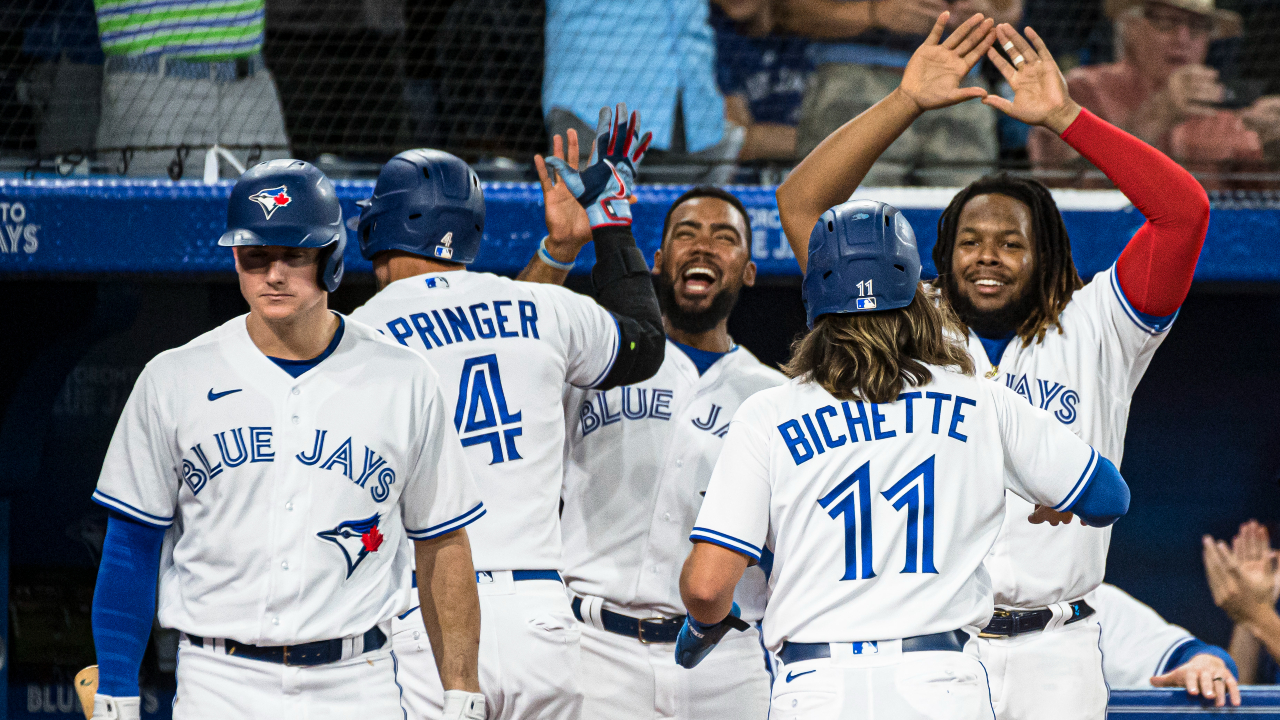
(288, 203)
(426, 202)
(862, 258)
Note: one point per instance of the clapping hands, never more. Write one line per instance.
(1243, 576)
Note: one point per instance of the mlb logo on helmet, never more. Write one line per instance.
(271, 199)
(868, 303)
(444, 249)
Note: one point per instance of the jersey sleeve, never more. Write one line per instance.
(735, 511)
(141, 472)
(1136, 642)
(1127, 338)
(591, 336)
(441, 494)
(1045, 463)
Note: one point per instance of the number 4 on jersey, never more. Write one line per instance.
(914, 491)
(482, 415)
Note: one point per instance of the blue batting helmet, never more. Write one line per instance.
(862, 258)
(289, 203)
(426, 202)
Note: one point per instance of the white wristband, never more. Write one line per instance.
(463, 705)
(106, 707)
(546, 257)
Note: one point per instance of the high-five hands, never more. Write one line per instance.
(932, 77)
(604, 188)
(1039, 91)
(568, 229)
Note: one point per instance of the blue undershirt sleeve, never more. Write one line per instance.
(124, 602)
(1194, 647)
(1105, 497)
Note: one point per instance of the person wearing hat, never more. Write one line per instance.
(1161, 91)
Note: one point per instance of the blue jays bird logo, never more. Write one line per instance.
(356, 539)
(272, 199)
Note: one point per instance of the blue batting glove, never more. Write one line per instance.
(603, 188)
(697, 639)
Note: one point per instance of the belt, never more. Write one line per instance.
(516, 576)
(174, 66)
(320, 652)
(949, 641)
(1011, 623)
(648, 630)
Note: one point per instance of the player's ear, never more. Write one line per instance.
(749, 274)
(657, 261)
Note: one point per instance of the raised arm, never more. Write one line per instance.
(1156, 267)
(830, 174)
(1243, 578)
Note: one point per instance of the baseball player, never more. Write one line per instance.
(1077, 351)
(1141, 650)
(638, 459)
(269, 472)
(506, 350)
(876, 476)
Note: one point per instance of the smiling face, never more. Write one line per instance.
(279, 282)
(993, 261)
(704, 262)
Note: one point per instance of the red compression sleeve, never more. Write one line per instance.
(1156, 266)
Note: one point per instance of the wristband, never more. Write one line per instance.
(545, 257)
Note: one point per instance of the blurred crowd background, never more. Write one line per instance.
(734, 90)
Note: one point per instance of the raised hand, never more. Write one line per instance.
(568, 228)
(933, 75)
(604, 188)
(1039, 91)
(1242, 577)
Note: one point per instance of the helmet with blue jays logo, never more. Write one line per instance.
(862, 258)
(426, 202)
(288, 203)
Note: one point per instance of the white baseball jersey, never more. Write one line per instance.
(1085, 377)
(638, 460)
(1136, 642)
(505, 350)
(288, 499)
(879, 516)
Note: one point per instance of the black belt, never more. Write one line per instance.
(653, 630)
(949, 641)
(320, 652)
(1011, 623)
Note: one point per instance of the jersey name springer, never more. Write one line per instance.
(817, 434)
(234, 451)
(477, 321)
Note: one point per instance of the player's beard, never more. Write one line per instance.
(695, 322)
(994, 323)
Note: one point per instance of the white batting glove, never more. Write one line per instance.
(463, 705)
(106, 707)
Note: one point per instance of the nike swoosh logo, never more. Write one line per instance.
(793, 675)
(214, 396)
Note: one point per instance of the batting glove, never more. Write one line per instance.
(696, 639)
(106, 707)
(603, 188)
(463, 705)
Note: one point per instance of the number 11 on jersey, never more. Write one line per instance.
(914, 491)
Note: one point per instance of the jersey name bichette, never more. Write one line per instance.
(289, 500)
(879, 515)
(1085, 377)
(638, 460)
(505, 350)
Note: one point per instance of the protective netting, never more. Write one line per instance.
(112, 86)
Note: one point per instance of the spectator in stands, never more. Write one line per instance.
(762, 77)
(865, 44)
(1141, 650)
(657, 56)
(186, 80)
(1245, 583)
(1161, 90)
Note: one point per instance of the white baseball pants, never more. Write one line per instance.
(623, 679)
(528, 654)
(1053, 674)
(215, 686)
(932, 685)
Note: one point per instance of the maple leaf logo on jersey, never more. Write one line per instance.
(272, 199)
(356, 539)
